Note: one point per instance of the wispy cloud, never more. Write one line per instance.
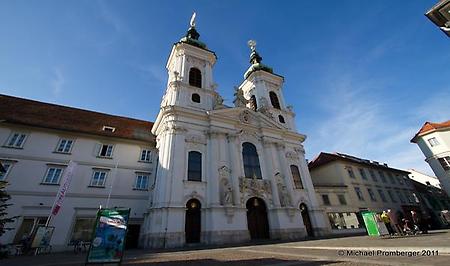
(152, 73)
(113, 19)
(57, 81)
(436, 108)
(360, 123)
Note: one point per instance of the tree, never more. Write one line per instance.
(4, 197)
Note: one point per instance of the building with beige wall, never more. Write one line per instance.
(433, 140)
(347, 185)
(114, 155)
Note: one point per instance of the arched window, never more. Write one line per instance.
(296, 177)
(253, 104)
(195, 98)
(251, 161)
(194, 166)
(274, 100)
(281, 119)
(195, 77)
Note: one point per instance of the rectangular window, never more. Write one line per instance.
(433, 142)
(372, 175)
(28, 227)
(52, 175)
(98, 178)
(363, 173)
(64, 145)
(350, 172)
(296, 177)
(391, 196)
(399, 179)
(359, 194)
(326, 200)
(342, 199)
(391, 178)
(382, 176)
(7, 167)
(194, 166)
(106, 150)
(16, 140)
(371, 194)
(400, 196)
(445, 162)
(82, 231)
(146, 155)
(409, 196)
(339, 220)
(382, 195)
(141, 181)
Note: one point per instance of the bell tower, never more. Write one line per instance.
(190, 79)
(263, 89)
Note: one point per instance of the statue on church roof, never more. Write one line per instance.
(239, 99)
(192, 23)
(252, 45)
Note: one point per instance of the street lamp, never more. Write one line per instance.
(439, 14)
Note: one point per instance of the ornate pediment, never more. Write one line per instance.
(252, 187)
(247, 117)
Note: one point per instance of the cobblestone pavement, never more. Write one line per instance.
(431, 249)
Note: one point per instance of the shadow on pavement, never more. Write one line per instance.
(245, 262)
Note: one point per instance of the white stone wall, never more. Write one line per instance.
(30, 198)
(218, 134)
(433, 153)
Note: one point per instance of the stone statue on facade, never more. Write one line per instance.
(239, 99)
(218, 102)
(283, 193)
(226, 197)
(227, 193)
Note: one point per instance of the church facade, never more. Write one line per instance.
(227, 174)
(202, 172)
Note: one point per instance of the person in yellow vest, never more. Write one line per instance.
(387, 222)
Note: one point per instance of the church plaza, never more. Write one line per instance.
(356, 250)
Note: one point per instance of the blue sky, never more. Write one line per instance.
(363, 76)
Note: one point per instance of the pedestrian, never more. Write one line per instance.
(387, 222)
(395, 222)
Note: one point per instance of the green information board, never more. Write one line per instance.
(108, 240)
(370, 222)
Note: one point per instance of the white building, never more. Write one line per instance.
(216, 174)
(39, 139)
(433, 140)
(424, 178)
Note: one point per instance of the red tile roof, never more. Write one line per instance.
(429, 127)
(324, 158)
(45, 115)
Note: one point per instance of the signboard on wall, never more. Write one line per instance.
(108, 241)
(42, 236)
(371, 223)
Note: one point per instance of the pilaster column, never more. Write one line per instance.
(306, 178)
(269, 151)
(235, 166)
(281, 151)
(213, 166)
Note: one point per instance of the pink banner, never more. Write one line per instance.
(67, 177)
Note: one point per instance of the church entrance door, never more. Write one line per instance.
(306, 220)
(258, 224)
(193, 221)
